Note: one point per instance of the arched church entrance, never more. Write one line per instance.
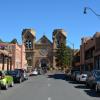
(43, 64)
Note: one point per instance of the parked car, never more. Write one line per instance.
(17, 74)
(82, 77)
(5, 80)
(97, 87)
(71, 73)
(93, 79)
(75, 73)
(34, 73)
(25, 75)
(68, 75)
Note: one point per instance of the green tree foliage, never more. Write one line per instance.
(1, 41)
(69, 56)
(14, 41)
(63, 56)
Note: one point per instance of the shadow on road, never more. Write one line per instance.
(81, 86)
(73, 82)
(57, 76)
(92, 93)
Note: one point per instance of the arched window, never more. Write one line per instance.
(28, 44)
(57, 41)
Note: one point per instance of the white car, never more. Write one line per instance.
(34, 72)
(82, 77)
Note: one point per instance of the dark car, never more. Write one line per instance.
(72, 73)
(75, 73)
(18, 75)
(93, 78)
(24, 74)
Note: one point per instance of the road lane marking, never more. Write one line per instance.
(49, 85)
(49, 98)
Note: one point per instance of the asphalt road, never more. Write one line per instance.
(51, 86)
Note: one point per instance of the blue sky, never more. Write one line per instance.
(46, 15)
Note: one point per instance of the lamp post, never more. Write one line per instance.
(88, 8)
(96, 14)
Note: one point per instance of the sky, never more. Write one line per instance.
(46, 15)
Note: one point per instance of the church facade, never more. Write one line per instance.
(41, 53)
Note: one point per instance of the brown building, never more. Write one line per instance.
(41, 53)
(5, 60)
(12, 56)
(90, 52)
(76, 60)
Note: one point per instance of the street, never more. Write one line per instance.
(51, 86)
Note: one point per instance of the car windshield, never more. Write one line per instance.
(12, 72)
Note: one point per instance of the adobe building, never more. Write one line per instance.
(41, 53)
(90, 52)
(5, 60)
(12, 56)
(76, 60)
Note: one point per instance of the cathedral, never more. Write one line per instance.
(41, 53)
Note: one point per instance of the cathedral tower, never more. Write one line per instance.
(28, 39)
(59, 36)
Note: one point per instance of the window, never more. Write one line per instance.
(28, 44)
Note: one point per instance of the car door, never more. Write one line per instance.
(91, 79)
(9, 79)
(88, 80)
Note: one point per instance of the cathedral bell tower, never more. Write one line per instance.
(28, 39)
(59, 37)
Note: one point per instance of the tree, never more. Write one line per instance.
(14, 41)
(69, 56)
(1, 41)
(63, 56)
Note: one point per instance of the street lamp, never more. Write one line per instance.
(88, 8)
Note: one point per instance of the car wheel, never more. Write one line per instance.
(12, 84)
